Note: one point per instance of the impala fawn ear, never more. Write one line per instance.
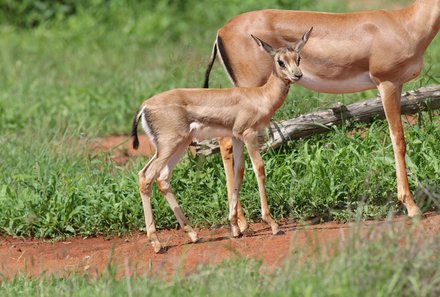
(265, 46)
(301, 42)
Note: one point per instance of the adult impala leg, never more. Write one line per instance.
(228, 164)
(251, 141)
(391, 95)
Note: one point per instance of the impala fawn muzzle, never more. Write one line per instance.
(174, 118)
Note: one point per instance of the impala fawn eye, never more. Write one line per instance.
(298, 59)
(281, 64)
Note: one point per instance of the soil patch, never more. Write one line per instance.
(133, 253)
(120, 147)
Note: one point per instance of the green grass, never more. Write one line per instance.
(393, 260)
(53, 190)
(75, 77)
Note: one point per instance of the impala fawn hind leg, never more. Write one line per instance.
(158, 165)
(163, 182)
(146, 177)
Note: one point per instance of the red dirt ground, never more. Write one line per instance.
(133, 252)
(121, 148)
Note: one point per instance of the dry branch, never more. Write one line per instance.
(427, 98)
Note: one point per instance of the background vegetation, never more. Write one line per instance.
(72, 70)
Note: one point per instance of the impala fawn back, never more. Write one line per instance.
(174, 118)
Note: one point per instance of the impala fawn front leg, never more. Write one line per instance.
(251, 141)
(226, 150)
(238, 153)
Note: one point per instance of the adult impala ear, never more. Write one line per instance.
(301, 42)
(265, 46)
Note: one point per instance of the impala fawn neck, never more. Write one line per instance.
(275, 90)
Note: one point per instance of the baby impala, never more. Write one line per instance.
(174, 118)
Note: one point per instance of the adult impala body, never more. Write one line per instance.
(348, 52)
(174, 118)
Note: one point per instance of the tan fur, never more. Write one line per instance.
(385, 43)
(348, 52)
(173, 118)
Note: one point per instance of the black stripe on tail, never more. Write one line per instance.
(134, 128)
(218, 46)
(225, 60)
(211, 63)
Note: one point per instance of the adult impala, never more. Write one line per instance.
(348, 52)
(174, 118)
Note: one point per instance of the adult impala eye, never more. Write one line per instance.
(281, 64)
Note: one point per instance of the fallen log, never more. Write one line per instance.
(427, 98)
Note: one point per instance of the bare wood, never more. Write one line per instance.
(281, 132)
(174, 118)
(427, 98)
(349, 52)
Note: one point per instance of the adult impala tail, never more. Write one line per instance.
(349, 52)
(174, 118)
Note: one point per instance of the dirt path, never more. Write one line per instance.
(133, 253)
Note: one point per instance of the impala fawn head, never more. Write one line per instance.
(287, 58)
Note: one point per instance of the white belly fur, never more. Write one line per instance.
(201, 132)
(351, 85)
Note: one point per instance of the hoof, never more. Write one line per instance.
(276, 229)
(243, 225)
(415, 212)
(193, 236)
(278, 232)
(156, 246)
(191, 233)
(235, 231)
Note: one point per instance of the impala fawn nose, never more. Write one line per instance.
(297, 76)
